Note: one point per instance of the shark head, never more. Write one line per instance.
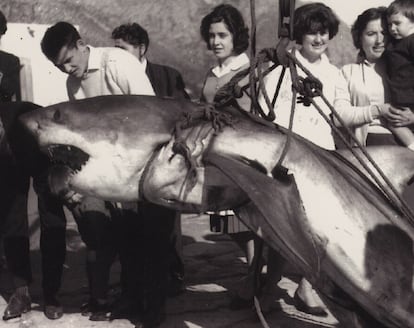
(105, 142)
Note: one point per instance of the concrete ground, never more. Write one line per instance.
(213, 265)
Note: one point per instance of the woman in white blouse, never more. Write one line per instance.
(361, 97)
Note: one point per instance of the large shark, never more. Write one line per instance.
(319, 208)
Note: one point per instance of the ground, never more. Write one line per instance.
(213, 264)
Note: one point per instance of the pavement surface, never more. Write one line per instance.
(213, 264)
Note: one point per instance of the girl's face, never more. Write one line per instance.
(314, 44)
(400, 26)
(221, 41)
(372, 40)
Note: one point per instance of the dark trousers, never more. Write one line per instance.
(95, 228)
(14, 188)
(145, 250)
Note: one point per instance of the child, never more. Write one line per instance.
(400, 62)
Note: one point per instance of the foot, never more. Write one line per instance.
(101, 312)
(86, 308)
(19, 303)
(308, 306)
(52, 308)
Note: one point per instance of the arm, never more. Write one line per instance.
(351, 113)
(180, 88)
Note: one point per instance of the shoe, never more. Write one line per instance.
(238, 303)
(100, 312)
(86, 308)
(303, 307)
(52, 309)
(18, 304)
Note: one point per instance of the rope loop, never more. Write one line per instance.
(308, 87)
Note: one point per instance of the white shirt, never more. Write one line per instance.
(111, 71)
(307, 122)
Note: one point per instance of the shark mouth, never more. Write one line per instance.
(70, 156)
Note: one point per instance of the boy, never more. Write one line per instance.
(400, 62)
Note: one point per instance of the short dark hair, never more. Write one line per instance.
(58, 36)
(405, 7)
(314, 17)
(133, 33)
(234, 22)
(362, 21)
(3, 23)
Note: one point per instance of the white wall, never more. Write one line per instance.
(48, 83)
(348, 10)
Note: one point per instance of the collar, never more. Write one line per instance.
(94, 61)
(324, 60)
(232, 65)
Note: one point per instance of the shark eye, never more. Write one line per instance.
(57, 115)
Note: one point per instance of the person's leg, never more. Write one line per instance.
(158, 227)
(252, 247)
(16, 245)
(96, 230)
(270, 290)
(129, 229)
(176, 275)
(53, 250)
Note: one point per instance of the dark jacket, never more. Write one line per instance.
(399, 57)
(9, 77)
(166, 81)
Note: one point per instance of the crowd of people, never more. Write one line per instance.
(373, 97)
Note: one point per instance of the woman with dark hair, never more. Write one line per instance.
(361, 95)
(315, 25)
(226, 34)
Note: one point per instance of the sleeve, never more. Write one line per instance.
(180, 87)
(129, 73)
(351, 115)
(10, 80)
(410, 49)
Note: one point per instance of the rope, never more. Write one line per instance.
(315, 89)
(253, 94)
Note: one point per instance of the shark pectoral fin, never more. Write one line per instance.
(275, 211)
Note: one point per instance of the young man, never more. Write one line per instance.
(92, 72)
(14, 188)
(166, 81)
(159, 270)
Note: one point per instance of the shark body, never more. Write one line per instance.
(318, 208)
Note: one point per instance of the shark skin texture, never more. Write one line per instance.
(318, 208)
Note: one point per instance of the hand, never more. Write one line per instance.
(401, 116)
